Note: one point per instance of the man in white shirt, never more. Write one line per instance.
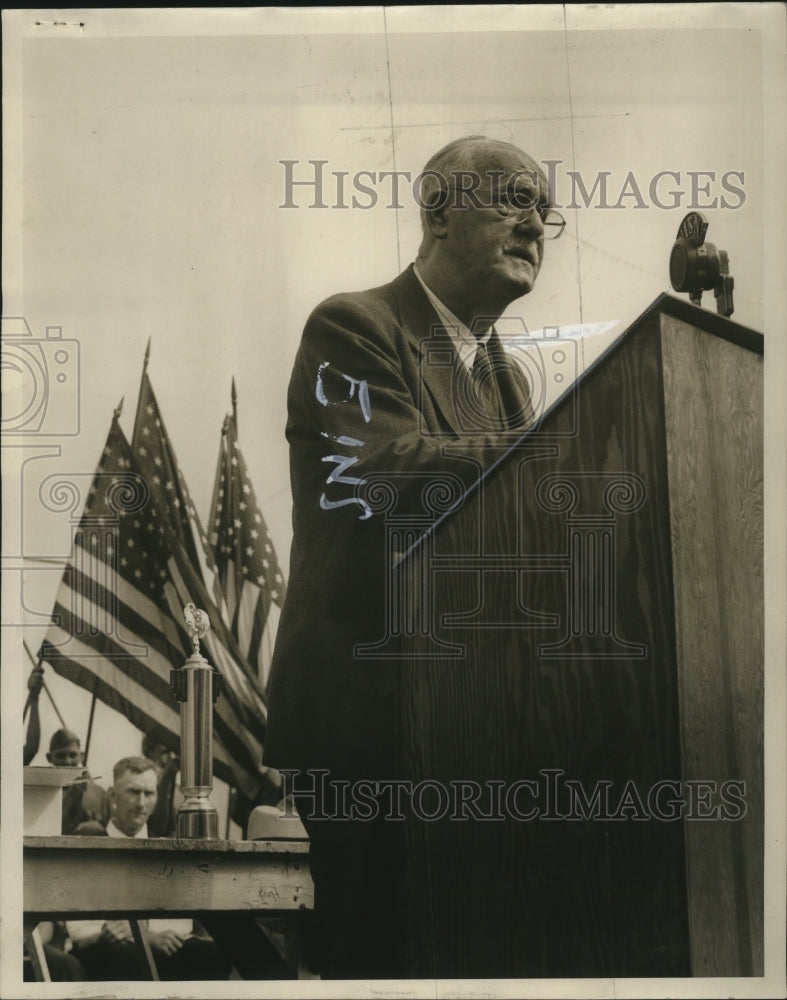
(106, 949)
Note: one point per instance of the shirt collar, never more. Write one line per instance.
(113, 831)
(461, 336)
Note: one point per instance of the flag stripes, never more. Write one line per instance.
(157, 461)
(220, 647)
(245, 557)
(193, 573)
(101, 604)
(129, 697)
(116, 631)
(151, 670)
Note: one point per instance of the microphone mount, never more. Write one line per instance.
(696, 266)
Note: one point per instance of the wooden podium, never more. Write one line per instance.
(581, 691)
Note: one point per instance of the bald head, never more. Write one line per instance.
(461, 170)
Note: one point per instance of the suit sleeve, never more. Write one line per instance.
(356, 418)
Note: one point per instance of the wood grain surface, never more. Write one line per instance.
(557, 579)
(713, 402)
(150, 876)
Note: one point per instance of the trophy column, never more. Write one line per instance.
(196, 687)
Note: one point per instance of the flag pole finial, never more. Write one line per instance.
(234, 405)
(147, 357)
(118, 409)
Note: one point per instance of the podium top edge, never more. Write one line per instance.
(704, 319)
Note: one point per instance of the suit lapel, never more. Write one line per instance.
(439, 364)
(440, 369)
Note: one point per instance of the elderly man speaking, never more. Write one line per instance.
(370, 416)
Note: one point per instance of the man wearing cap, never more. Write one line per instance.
(85, 804)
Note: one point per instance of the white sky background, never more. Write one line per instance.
(142, 200)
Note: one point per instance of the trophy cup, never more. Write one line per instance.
(196, 687)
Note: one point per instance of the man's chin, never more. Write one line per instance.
(522, 283)
(522, 273)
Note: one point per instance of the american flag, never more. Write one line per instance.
(251, 578)
(156, 456)
(118, 618)
(242, 703)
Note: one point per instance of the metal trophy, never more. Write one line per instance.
(196, 687)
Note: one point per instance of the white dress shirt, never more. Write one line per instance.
(462, 337)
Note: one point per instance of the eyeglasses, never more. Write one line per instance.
(516, 203)
(519, 206)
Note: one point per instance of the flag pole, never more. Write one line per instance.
(138, 417)
(268, 650)
(89, 729)
(234, 405)
(229, 809)
(37, 662)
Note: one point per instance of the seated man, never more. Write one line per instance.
(85, 805)
(106, 949)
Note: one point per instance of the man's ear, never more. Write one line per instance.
(112, 796)
(437, 222)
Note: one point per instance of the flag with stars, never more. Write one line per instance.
(249, 571)
(118, 624)
(156, 458)
(197, 579)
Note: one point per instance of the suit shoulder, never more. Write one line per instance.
(371, 304)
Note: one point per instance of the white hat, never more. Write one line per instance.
(273, 823)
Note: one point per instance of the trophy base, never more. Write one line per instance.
(197, 824)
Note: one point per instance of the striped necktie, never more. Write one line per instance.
(488, 390)
(482, 368)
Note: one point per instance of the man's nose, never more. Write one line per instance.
(532, 224)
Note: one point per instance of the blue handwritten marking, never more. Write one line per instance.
(327, 504)
(356, 386)
(351, 442)
(358, 389)
(342, 462)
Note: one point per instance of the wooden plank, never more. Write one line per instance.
(713, 401)
(35, 950)
(171, 844)
(158, 876)
(141, 940)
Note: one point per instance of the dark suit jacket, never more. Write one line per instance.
(379, 407)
